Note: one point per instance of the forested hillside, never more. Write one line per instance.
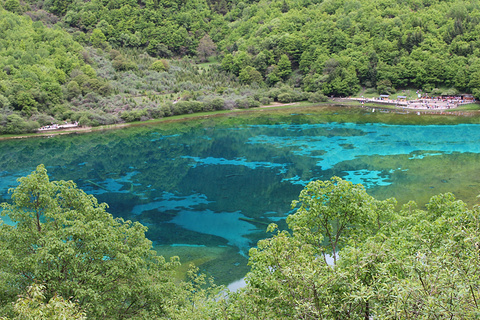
(338, 46)
(104, 62)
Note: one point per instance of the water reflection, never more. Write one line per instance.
(217, 183)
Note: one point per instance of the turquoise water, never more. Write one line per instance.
(208, 188)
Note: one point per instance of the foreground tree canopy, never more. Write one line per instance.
(347, 255)
(407, 264)
(65, 240)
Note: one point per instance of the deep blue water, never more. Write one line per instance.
(208, 188)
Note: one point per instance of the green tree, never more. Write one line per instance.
(158, 49)
(407, 264)
(12, 5)
(58, 7)
(250, 75)
(98, 39)
(160, 65)
(66, 239)
(272, 75)
(241, 60)
(333, 211)
(73, 89)
(284, 67)
(4, 102)
(32, 306)
(206, 48)
(227, 62)
(16, 124)
(25, 101)
(261, 62)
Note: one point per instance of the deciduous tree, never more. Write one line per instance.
(65, 239)
(206, 48)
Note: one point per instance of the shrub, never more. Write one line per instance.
(252, 103)
(4, 102)
(216, 103)
(122, 64)
(84, 121)
(167, 110)
(247, 102)
(317, 97)
(134, 115)
(16, 124)
(184, 107)
(385, 87)
(241, 103)
(230, 104)
(160, 65)
(73, 89)
(265, 100)
(285, 97)
(274, 92)
(42, 119)
(156, 113)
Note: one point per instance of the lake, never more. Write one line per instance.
(207, 188)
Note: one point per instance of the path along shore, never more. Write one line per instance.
(420, 104)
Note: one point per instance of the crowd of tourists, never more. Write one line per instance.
(55, 126)
(425, 102)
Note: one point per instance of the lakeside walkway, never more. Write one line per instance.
(418, 104)
(58, 127)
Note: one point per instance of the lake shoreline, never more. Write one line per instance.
(78, 130)
(352, 102)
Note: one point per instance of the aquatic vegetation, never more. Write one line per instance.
(218, 182)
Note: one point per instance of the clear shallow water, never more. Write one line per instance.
(208, 188)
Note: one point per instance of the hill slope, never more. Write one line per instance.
(98, 62)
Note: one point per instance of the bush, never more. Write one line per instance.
(102, 118)
(167, 109)
(134, 115)
(230, 104)
(241, 103)
(273, 93)
(4, 102)
(184, 107)
(16, 124)
(317, 97)
(91, 119)
(160, 65)
(73, 90)
(210, 104)
(248, 102)
(265, 100)
(42, 119)
(252, 103)
(285, 97)
(385, 87)
(156, 113)
(122, 64)
(449, 92)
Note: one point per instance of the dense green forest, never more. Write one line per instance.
(68, 258)
(113, 61)
(105, 62)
